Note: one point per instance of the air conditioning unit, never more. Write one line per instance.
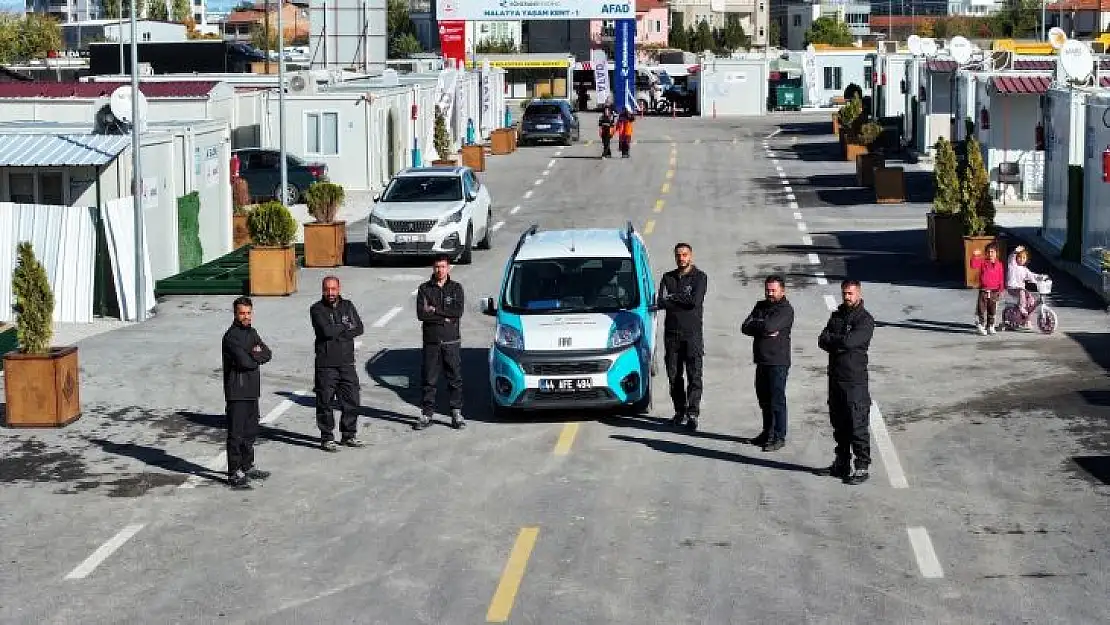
(146, 69)
(889, 47)
(302, 83)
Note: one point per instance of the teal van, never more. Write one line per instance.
(576, 322)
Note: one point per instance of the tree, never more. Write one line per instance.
(774, 37)
(732, 36)
(157, 10)
(398, 25)
(977, 210)
(182, 11)
(264, 38)
(495, 46)
(829, 30)
(1018, 19)
(676, 36)
(34, 302)
(703, 38)
(111, 9)
(404, 45)
(30, 36)
(946, 193)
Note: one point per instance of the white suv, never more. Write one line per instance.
(426, 211)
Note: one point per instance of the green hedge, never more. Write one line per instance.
(190, 253)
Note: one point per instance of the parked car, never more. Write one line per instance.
(426, 211)
(261, 168)
(576, 323)
(549, 120)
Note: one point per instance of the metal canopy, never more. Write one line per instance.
(60, 150)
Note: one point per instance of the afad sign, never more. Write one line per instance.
(493, 10)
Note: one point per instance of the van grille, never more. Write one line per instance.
(567, 368)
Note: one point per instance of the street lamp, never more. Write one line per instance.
(281, 106)
(137, 176)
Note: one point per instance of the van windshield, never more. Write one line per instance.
(570, 285)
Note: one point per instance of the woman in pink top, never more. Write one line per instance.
(991, 281)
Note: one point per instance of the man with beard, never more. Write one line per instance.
(682, 295)
(439, 307)
(243, 353)
(847, 337)
(770, 323)
(336, 323)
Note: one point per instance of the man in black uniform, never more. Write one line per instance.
(847, 337)
(336, 323)
(681, 295)
(439, 305)
(605, 124)
(770, 323)
(243, 352)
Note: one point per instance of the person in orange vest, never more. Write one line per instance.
(624, 132)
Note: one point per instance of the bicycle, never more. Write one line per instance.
(1013, 318)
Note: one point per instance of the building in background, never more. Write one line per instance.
(348, 34)
(653, 26)
(66, 11)
(477, 33)
(78, 35)
(240, 23)
(754, 16)
(1079, 18)
(800, 16)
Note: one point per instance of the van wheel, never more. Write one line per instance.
(643, 406)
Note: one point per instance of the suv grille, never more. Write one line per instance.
(410, 225)
(567, 368)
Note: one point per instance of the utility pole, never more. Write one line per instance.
(281, 107)
(137, 176)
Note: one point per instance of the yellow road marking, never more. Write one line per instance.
(503, 597)
(659, 206)
(566, 439)
(670, 174)
(672, 161)
(665, 188)
(589, 141)
(649, 226)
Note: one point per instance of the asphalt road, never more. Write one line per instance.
(988, 501)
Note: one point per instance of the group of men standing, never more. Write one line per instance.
(336, 324)
(846, 338)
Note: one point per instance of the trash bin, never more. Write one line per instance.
(788, 97)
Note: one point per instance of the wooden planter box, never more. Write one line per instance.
(501, 141)
(945, 233)
(971, 276)
(836, 124)
(890, 185)
(240, 234)
(852, 150)
(325, 244)
(474, 157)
(445, 161)
(273, 270)
(866, 164)
(42, 390)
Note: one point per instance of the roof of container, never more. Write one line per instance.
(47, 150)
(1012, 85)
(43, 89)
(585, 243)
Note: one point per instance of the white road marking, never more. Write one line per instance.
(807, 240)
(830, 303)
(927, 561)
(793, 205)
(104, 551)
(802, 226)
(782, 174)
(497, 226)
(886, 449)
(785, 182)
(813, 259)
(387, 317)
(821, 279)
(538, 182)
(515, 210)
(696, 141)
(358, 344)
(545, 172)
(787, 189)
(797, 216)
(527, 194)
(791, 197)
(775, 162)
(777, 131)
(551, 163)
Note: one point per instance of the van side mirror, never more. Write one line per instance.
(488, 306)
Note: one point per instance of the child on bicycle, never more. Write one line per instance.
(991, 281)
(1017, 275)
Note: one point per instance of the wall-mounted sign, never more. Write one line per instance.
(493, 10)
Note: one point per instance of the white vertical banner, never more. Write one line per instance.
(601, 76)
(809, 68)
(487, 116)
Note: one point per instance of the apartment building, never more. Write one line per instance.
(800, 16)
(68, 11)
(754, 15)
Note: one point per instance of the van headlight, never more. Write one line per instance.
(453, 218)
(509, 337)
(378, 221)
(625, 334)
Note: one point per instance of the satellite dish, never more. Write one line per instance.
(1057, 37)
(928, 46)
(1076, 60)
(811, 49)
(120, 104)
(914, 44)
(960, 49)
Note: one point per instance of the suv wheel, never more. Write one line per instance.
(487, 241)
(467, 255)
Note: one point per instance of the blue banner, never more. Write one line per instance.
(624, 66)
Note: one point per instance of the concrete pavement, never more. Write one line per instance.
(984, 503)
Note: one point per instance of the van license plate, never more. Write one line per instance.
(570, 385)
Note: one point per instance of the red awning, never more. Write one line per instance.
(1035, 64)
(1104, 82)
(942, 65)
(1009, 85)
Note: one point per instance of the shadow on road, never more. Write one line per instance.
(672, 447)
(928, 325)
(1097, 466)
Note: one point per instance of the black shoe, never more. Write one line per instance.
(678, 419)
(774, 445)
(760, 440)
(457, 420)
(351, 441)
(257, 474)
(859, 476)
(423, 422)
(692, 422)
(839, 468)
(329, 446)
(239, 481)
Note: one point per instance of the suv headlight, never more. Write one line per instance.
(509, 337)
(625, 334)
(378, 221)
(453, 218)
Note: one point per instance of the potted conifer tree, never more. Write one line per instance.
(976, 212)
(944, 229)
(240, 206)
(325, 241)
(272, 259)
(442, 140)
(41, 382)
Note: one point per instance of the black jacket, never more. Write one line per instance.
(682, 296)
(242, 380)
(766, 319)
(847, 337)
(336, 328)
(442, 324)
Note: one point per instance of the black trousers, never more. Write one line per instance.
(242, 430)
(606, 144)
(770, 390)
(446, 358)
(850, 413)
(684, 355)
(337, 383)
